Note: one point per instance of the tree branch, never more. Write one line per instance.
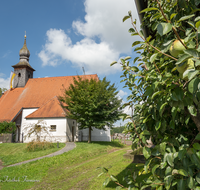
(173, 28)
(149, 43)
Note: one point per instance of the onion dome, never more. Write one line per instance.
(24, 54)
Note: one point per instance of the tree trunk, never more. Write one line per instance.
(89, 137)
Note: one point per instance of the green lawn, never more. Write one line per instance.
(75, 169)
(11, 153)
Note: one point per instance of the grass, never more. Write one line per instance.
(11, 153)
(75, 170)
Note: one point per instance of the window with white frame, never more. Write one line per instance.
(53, 128)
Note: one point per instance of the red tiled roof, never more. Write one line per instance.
(37, 93)
(51, 109)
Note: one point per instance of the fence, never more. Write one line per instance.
(6, 138)
(125, 139)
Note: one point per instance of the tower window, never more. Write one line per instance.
(19, 74)
(29, 76)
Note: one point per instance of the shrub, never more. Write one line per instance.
(7, 127)
(39, 145)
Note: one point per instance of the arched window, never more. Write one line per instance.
(19, 74)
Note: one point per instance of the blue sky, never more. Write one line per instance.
(66, 35)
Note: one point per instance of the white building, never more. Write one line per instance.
(33, 99)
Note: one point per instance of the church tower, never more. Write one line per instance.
(23, 70)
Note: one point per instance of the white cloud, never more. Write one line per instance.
(122, 93)
(104, 38)
(4, 83)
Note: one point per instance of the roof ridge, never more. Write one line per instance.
(63, 76)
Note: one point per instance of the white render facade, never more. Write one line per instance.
(65, 129)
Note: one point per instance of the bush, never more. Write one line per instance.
(7, 127)
(39, 145)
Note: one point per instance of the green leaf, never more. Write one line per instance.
(182, 153)
(145, 132)
(197, 18)
(190, 182)
(104, 170)
(162, 108)
(196, 146)
(154, 168)
(100, 174)
(168, 179)
(136, 43)
(107, 180)
(197, 24)
(149, 9)
(173, 15)
(198, 178)
(174, 172)
(182, 172)
(195, 159)
(162, 148)
(113, 178)
(134, 68)
(170, 159)
(131, 30)
(192, 52)
(197, 137)
(136, 59)
(174, 111)
(181, 184)
(153, 57)
(186, 17)
(164, 28)
(126, 58)
(158, 125)
(114, 62)
(146, 152)
(118, 188)
(145, 120)
(193, 85)
(192, 73)
(183, 58)
(125, 18)
(155, 94)
(191, 23)
(168, 171)
(192, 110)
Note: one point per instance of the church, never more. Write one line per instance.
(35, 99)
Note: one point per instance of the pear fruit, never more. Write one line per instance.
(176, 48)
(189, 64)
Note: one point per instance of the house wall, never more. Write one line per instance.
(72, 130)
(96, 134)
(64, 127)
(58, 135)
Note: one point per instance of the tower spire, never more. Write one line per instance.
(23, 69)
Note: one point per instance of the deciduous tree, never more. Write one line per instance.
(93, 103)
(165, 88)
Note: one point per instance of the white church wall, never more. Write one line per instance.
(96, 134)
(59, 135)
(72, 130)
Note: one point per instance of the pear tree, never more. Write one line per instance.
(164, 80)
